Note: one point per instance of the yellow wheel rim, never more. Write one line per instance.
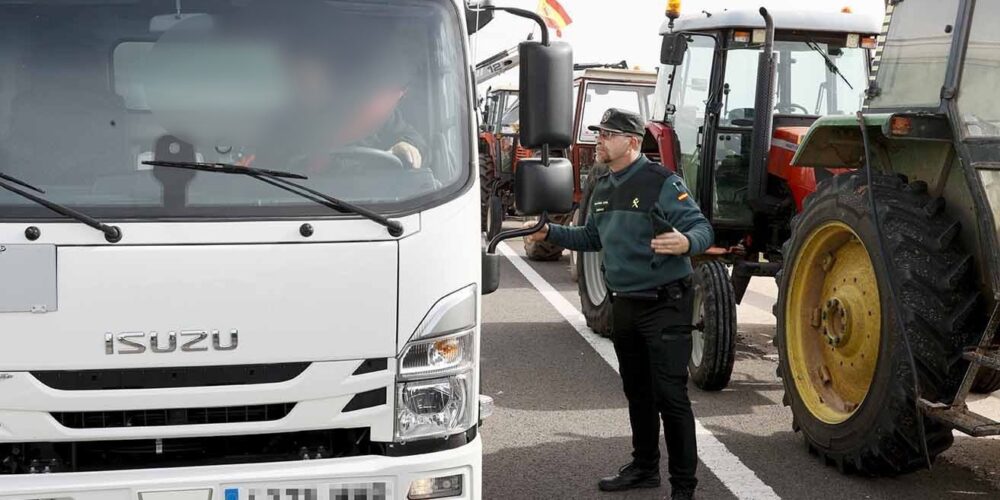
(833, 322)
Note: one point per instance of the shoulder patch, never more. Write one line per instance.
(680, 190)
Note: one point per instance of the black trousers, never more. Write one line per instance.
(652, 339)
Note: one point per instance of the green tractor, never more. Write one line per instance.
(889, 294)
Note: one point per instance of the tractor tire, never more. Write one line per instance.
(494, 216)
(544, 251)
(713, 352)
(987, 381)
(486, 180)
(861, 417)
(595, 300)
(574, 256)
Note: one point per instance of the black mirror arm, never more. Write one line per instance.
(506, 235)
(527, 14)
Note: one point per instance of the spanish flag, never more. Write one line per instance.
(554, 14)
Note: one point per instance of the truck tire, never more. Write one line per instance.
(595, 301)
(544, 251)
(844, 365)
(713, 350)
(486, 179)
(987, 381)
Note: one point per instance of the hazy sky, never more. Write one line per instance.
(608, 31)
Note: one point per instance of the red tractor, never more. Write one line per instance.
(595, 89)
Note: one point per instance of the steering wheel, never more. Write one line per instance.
(793, 106)
(366, 155)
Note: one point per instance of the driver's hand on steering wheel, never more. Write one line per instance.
(408, 153)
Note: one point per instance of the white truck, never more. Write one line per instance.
(240, 252)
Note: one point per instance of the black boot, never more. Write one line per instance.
(682, 494)
(629, 477)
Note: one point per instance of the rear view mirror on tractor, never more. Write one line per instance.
(673, 49)
(477, 16)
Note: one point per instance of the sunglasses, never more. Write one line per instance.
(607, 134)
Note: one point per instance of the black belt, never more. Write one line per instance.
(673, 291)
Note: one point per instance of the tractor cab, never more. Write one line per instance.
(736, 138)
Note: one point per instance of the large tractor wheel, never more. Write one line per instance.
(713, 350)
(486, 180)
(845, 366)
(595, 301)
(545, 251)
(494, 216)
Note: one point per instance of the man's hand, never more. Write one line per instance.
(672, 243)
(408, 153)
(537, 235)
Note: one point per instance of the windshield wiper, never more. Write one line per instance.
(829, 62)
(279, 179)
(111, 233)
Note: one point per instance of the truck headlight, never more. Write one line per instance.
(434, 408)
(436, 390)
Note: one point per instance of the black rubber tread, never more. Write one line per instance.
(599, 316)
(940, 309)
(574, 273)
(719, 328)
(544, 251)
(486, 179)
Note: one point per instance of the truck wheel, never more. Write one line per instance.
(713, 350)
(843, 363)
(987, 381)
(545, 251)
(595, 301)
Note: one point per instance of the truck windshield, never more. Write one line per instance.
(368, 99)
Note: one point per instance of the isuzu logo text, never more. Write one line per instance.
(189, 340)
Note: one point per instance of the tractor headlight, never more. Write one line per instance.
(435, 384)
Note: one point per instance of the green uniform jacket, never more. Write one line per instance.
(625, 211)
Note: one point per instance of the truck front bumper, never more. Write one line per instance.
(327, 479)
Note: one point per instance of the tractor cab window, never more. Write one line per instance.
(600, 97)
(915, 57)
(343, 91)
(688, 95)
(977, 101)
(813, 78)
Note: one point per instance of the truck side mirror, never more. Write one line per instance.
(476, 18)
(673, 49)
(546, 94)
(542, 188)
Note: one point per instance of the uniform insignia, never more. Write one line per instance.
(607, 116)
(682, 193)
(635, 202)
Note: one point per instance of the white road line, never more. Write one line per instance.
(736, 476)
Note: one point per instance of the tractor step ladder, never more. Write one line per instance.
(957, 414)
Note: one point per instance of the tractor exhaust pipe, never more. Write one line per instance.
(760, 142)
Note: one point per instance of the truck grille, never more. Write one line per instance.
(81, 456)
(173, 416)
(163, 378)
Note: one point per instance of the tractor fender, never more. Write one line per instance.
(835, 141)
(661, 139)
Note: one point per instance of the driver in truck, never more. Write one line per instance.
(349, 100)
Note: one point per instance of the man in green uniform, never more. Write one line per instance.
(648, 226)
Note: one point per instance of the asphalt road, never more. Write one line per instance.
(561, 420)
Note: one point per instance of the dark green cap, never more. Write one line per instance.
(621, 121)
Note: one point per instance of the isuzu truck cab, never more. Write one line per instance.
(240, 254)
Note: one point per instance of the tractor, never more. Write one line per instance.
(889, 293)
(728, 120)
(596, 87)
